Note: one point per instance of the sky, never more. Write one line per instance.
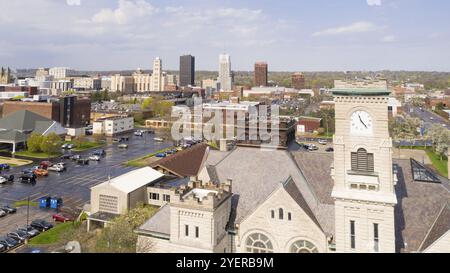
(291, 35)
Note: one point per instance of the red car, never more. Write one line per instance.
(62, 217)
(45, 164)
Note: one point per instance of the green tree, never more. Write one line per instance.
(51, 144)
(119, 236)
(163, 108)
(147, 104)
(34, 143)
(79, 141)
(440, 137)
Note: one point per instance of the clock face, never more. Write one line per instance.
(361, 123)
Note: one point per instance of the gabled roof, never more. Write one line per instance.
(440, 227)
(133, 180)
(24, 120)
(257, 173)
(186, 163)
(294, 192)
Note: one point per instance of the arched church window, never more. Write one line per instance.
(272, 214)
(258, 243)
(303, 246)
(281, 214)
(362, 161)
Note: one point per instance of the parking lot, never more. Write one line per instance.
(74, 184)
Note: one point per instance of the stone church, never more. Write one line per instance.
(357, 200)
(6, 76)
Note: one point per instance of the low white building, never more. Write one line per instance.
(111, 126)
(121, 194)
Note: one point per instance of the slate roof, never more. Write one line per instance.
(256, 173)
(159, 223)
(185, 163)
(11, 135)
(418, 208)
(24, 120)
(439, 228)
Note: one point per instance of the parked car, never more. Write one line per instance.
(8, 178)
(83, 161)
(312, 147)
(139, 133)
(171, 152)
(75, 157)
(100, 152)
(329, 150)
(66, 156)
(63, 217)
(29, 178)
(41, 172)
(123, 146)
(19, 236)
(4, 167)
(117, 140)
(64, 146)
(41, 225)
(161, 155)
(94, 158)
(45, 164)
(8, 209)
(89, 132)
(70, 146)
(3, 213)
(9, 242)
(30, 231)
(3, 248)
(323, 142)
(56, 168)
(158, 139)
(28, 171)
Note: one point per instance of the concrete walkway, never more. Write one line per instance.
(14, 161)
(418, 155)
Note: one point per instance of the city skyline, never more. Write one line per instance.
(298, 36)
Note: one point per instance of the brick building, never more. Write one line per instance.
(308, 124)
(298, 81)
(261, 72)
(32, 90)
(69, 111)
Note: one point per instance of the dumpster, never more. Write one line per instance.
(56, 203)
(44, 202)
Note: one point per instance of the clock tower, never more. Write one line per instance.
(363, 177)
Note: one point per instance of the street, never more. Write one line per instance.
(428, 118)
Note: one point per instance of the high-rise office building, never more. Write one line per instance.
(157, 83)
(225, 77)
(261, 72)
(298, 81)
(187, 70)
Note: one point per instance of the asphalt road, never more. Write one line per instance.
(429, 118)
(74, 184)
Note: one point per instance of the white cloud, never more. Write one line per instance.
(73, 2)
(388, 39)
(125, 12)
(357, 27)
(374, 2)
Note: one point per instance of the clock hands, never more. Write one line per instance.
(362, 121)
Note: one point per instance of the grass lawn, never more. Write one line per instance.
(37, 155)
(440, 165)
(25, 203)
(143, 161)
(53, 235)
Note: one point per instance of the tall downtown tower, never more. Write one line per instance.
(225, 77)
(187, 70)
